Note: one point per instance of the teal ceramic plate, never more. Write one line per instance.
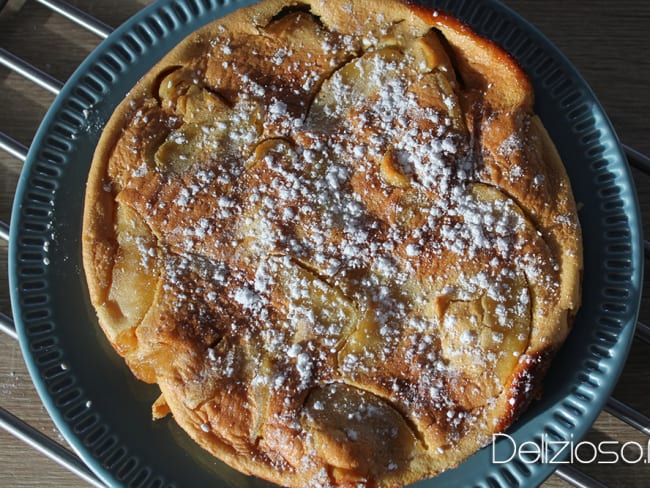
(105, 413)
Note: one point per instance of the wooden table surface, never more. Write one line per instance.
(607, 41)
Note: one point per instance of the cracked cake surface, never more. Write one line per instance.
(338, 238)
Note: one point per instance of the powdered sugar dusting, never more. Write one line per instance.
(322, 215)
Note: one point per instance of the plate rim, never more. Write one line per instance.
(624, 338)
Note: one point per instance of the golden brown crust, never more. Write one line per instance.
(337, 237)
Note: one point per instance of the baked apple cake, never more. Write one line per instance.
(338, 238)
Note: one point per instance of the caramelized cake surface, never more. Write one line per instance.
(337, 237)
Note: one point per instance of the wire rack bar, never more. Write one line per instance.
(628, 415)
(643, 332)
(39, 441)
(29, 71)
(78, 16)
(13, 147)
(637, 158)
(19, 151)
(577, 478)
(7, 326)
(4, 231)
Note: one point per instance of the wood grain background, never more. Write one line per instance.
(607, 41)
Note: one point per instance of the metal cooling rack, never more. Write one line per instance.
(66, 458)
